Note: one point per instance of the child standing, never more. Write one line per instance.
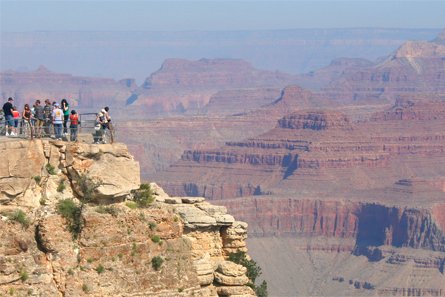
(74, 122)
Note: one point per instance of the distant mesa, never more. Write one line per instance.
(187, 86)
(207, 73)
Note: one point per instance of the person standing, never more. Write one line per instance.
(57, 116)
(109, 124)
(26, 117)
(48, 109)
(9, 118)
(74, 122)
(16, 117)
(66, 115)
(39, 115)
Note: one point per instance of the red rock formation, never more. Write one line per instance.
(415, 68)
(369, 224)
(181, 85)
(85, 92)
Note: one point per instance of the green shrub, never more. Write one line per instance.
(38, 179)
(85, 288)
(20, 217)
(23, 275)
(90, 260)
(100, 269)
(143, 196)
(107, 209)
(61, 187)
(50, 169)
(72, 212)
(131, 204)
(152, 226)
(156, 238)
(156, 262)
(261, 290)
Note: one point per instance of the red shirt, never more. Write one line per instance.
(74, 119)
(15, 114)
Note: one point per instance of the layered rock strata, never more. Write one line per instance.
(177, 246)
(369, 153)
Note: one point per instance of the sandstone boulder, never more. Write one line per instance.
(230, 268)
(235, 291)
(109, 165)
(231, 280)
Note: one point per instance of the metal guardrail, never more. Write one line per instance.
(87, 125)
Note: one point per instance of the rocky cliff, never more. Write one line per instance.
(70, 226)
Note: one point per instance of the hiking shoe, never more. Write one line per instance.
(7, 134)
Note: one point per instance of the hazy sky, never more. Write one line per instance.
(83, 15)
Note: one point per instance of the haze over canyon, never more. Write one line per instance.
(336, 160)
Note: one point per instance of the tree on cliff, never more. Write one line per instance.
(253, 271)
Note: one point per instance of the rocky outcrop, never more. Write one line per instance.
(178, 246)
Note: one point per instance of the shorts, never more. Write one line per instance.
(40, 122)
(9, 120)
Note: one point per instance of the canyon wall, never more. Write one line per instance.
(108, 246)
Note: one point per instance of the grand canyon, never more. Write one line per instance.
(339, 172)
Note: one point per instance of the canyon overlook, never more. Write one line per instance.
(178, 246)
(342, 185)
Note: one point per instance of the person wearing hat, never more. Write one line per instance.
(57, 115)
(9, 117)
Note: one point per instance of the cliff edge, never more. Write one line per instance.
(72, 224)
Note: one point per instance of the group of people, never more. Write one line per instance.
(41, 119)
(44, 119)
